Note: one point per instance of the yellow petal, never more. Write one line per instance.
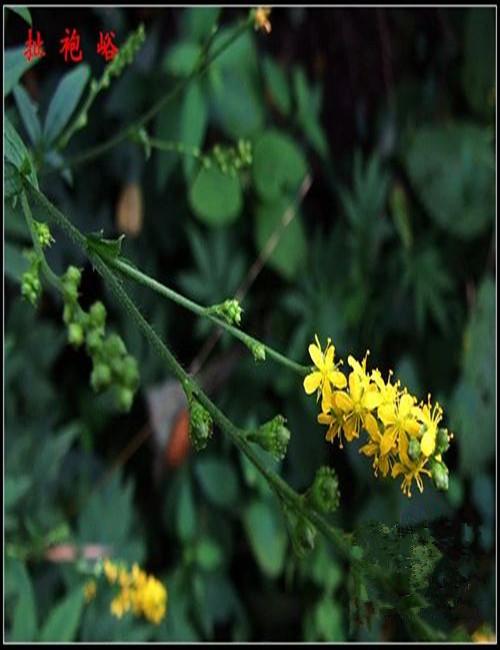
(387, 442)
(337, 378)
(369, 449)
(343, 402)
(324, 418)
(355, 387)
(397, 470)
(371, 426)
(371, 399)
(316, 355)
(428, 443)
(312, 382)
(351, 428)
(386, 413)
(329, 356)
(405, 405)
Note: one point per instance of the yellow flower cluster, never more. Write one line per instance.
(403, 435)
(140, 593)
(89, 590)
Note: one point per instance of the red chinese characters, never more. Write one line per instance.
(106, 47)
(70, 46)
(33, 48)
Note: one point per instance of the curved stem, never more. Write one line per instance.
(197, 309)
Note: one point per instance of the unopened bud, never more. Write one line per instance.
(125, 398)
(414, 449)
(273, 436)
(229, 310)
(258, 350)
(303, 536)
(100, 377)
(324, 494)
(75, 334)
(442, 441)
(439, 473)
(200, 425)
(97, 314)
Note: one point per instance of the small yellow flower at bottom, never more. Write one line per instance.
(89, 590)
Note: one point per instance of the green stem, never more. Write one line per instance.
(166, 292)
(176, 147)
(146, 117)
(337, 537)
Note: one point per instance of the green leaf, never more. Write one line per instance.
(15, 487)
(110, 248)
(16, 153)
(208, 554)
(15, 65)
(181, 58)
(24, 626)
(277, 86)
(193, 124)
(478, 72)
(216, 198)
(23, 12)
(198, 22)
(267, 537)
(64, 102)
(308, 100)
(290, 252)
(278, 165)
(453, 170)
(186, 513)
(218, 481)
(15, 262)
(64, 619)
(28, 112)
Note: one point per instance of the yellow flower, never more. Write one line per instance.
(399, 420)
(388, 392)
(334, 418)
(430, 418)
(372, 448)
(411, 471)
(89, 590)
(357, 404)
(484, 634)
(110, 571)
(326, 373)
(261, 19)
(151, 599)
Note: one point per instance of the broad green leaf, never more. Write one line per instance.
(208, 554)
(278, 165)
(218, 481)
(452, 168)
(64, 619)
(266, 533)
(308, 100)
(289, 254)
(24, 626)
(15, 65)
(478, 72)
(181, 58)
(216, 198)
(193, 124)
(277, 85)
(64, 102)
(185, 511)
(23, 12)
(15, 487)
(28, 112)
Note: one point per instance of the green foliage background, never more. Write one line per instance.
(391, 113)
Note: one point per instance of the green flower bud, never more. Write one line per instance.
(97, 314)
(442, 441)
(258, 350)
(100, 377)
(229, 310)
(272, 436)
(439, 473)
(200, 425)
(114, 346)
(75, 334)
(31, 286)
(116, 364)
(73, 275)
(43, 234)
(69, 313)
(94, 340)
(414, 449)
(125, 398)
(324, 494)
(130, 371)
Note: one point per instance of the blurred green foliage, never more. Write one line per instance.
(391, 249)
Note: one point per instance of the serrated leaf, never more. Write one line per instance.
(218, 481)
(64, 619)
(267, 537)
(28, 112)
(278, 165)
(194, 119)
(23, 12)
(216, 198)
(453, 170)
(15, 65)
(64, 102)
(290, 252)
